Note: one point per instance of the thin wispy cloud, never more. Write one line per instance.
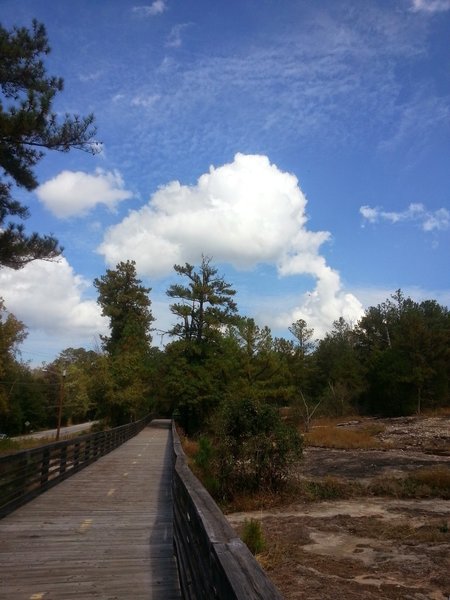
(437, 220)
(145, 101)
(430, 6)
(417, 120)
(331, 81)
(156, 8)
(174, 39)
(88, 77)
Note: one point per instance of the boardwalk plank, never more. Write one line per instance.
(105, 533)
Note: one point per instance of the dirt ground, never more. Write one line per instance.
(368, 547)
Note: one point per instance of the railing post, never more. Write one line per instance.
(45, 466)
(87, 450)
(76, 455)
(63, 459)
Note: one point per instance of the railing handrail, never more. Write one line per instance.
(213, 562)
(28, 473)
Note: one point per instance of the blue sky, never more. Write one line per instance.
(304, 145)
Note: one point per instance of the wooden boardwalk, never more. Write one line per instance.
(105, 533)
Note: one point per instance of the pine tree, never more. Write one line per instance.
(27, 128)
(205, 303)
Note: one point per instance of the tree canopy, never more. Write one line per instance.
(126, 303)
(124, 370)
(394, 361)
(28, 126)
(204, 305)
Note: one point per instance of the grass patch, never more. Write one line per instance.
(12, 446)
(189, 446)
(442, 411)
(9, 446)
(298, 490)
(434, 530)
(260, 500)
(330, 436)
(329, 488)
(433, 482)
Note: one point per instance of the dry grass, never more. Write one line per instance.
(435, 477)
(433, 482)
(442, 411)
(277, 554)
(424, 483)
(190, 447)
(298, 490)
(260, 500)
(330, 436)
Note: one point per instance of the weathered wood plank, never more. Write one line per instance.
(104, 533)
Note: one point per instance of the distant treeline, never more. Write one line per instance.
(394, 361)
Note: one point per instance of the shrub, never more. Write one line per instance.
(252, 536)
(204, 463)
(255, 449)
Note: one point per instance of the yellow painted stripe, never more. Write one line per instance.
(85, 525)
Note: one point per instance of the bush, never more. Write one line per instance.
(255, 448)
(252, 536)
(204, 463)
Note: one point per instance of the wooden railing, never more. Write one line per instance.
(213, 563)
(28, 473)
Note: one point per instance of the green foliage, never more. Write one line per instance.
(405, 349)
(253, 536)
(12, 334)
(193, 381)
(255, 449)
(27, 126)
(328, 488)
(341, 374)
(125, 369)
(303, 336)
(204, 305)
(203, 458)
(204, 461)
(126, 303)
(200, 364)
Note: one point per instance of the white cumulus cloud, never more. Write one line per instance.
(48, 296)
(76, 193)
(244, 213)
(416, 212)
